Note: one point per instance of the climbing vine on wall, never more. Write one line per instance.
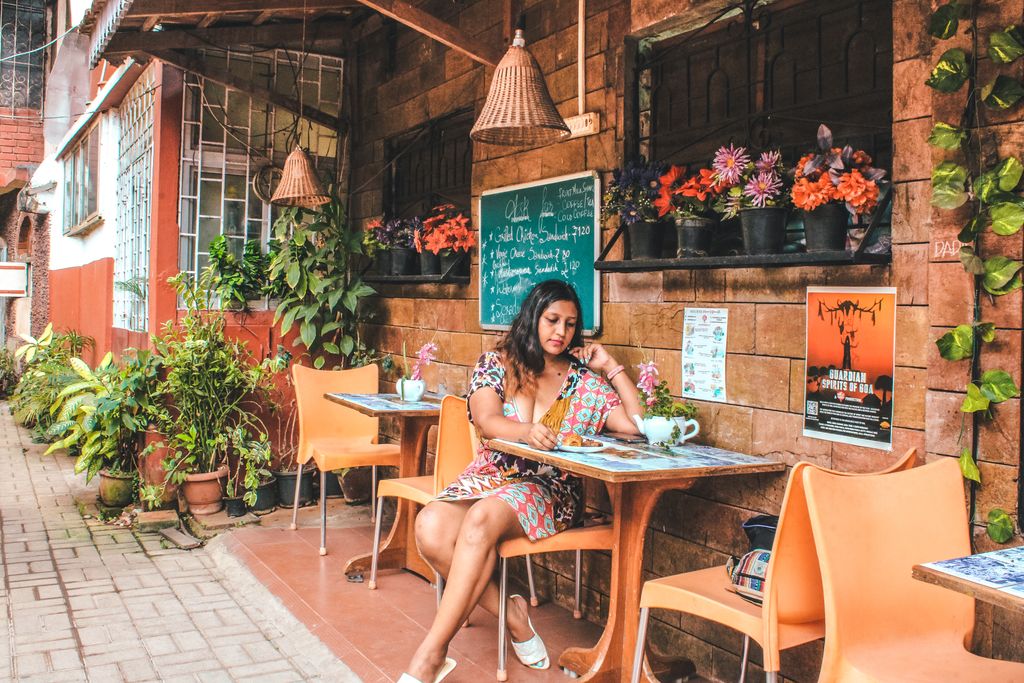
(990, 186)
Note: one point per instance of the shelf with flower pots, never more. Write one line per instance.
(433, 250)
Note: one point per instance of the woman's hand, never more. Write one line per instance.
(595, 357)
(541, 436)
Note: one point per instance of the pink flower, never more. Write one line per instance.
(728, 164)
(768, 161)
(423, 358)
(762, 188)
(648, 380)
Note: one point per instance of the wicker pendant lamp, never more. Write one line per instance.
(299, 184)
(519, 110)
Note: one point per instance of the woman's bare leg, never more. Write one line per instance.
(485, 524)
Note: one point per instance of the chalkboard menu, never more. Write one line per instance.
(539, 231)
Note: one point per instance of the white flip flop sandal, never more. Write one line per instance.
(446, 668)
(531, 653)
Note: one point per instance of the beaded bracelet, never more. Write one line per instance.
(614, 371)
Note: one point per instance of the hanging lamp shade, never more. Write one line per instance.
(519, 110)
(299, 184)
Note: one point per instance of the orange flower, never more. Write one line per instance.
(799, 171)
(809, 195)
(858, 191)
(672, 177)
(663, 203)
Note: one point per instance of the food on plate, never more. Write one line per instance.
(576, 441)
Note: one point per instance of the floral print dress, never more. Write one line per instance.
(546, 499)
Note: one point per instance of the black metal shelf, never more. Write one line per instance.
(417, 279)
(818, 258)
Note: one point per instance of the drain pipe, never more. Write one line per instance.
(584, 123)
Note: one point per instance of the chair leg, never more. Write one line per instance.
(323, 512)
(295, 503)
(641, 636)
(529, 579)
(502, 618)
(376, 544)
(577, 613)
(771, 676)
(373, 490)
(746, 657)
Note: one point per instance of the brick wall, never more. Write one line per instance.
(21, 139)
(699, 528)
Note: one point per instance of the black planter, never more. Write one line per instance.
(333, 485)
(825, 227)
(286, 488)
(266, 497)
(382, 262)
(458, 261)
(404, 261)
(693, 236)
(764, 230)
(430, 264)
(644, 240)
(235, 507)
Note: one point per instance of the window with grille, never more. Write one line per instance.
(434, 166)
(22, 30)
(768, 80)
(81, 171)
(228, 138)
(134, 201)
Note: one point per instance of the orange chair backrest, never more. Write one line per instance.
(455, 442)
(320, 418)
(870, 531)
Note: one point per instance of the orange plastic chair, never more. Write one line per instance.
(880, 623)
(332, 435)
(455, 449)
(793, 609)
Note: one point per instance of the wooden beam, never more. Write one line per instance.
(262, 18)
(127, 42)
(434, 28)
(177, 9)
(210, 19)
(199, 66)
(150, 22)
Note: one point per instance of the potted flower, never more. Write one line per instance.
(691, 202)
(664, 421)
(631, 196)
(447, 235)
(398, 236)
(757, 192)
(251, 469)
(374, 248)
(832, 185)
(411, 386)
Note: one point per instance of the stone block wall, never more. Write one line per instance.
(420, 80)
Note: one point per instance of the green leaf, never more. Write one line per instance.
(1000, 526)
(971, 262)
(292, 277)
(1016, 283)
(944, 21)
(1002, 93)
(968, 467)
(331, 347)
(1009, 172)
(974, 401)
(948, 185)
(1000, 274)
(956, 344)
(987, 331)
(972, 229)
(946, 136)
(289, 319)
(350, 301)
(307, 332)
(951, 71)
(997, 386)
(1006, 46)
(346, 345)
(1007, 218)
(319, 362)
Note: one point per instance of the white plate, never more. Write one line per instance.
(581, 449)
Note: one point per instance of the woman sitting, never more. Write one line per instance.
(540, 385)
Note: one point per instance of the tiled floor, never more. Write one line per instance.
(376, 632)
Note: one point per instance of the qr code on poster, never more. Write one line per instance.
(812, 408)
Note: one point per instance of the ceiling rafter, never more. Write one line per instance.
(210, 19)
(177, 9)
(127, 42)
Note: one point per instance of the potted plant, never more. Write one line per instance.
(252, 462)
(374, 248)
(757, 192)
(446, 234)
(398, 236)
(831, 186)
(411, 385)
(239, 282)
(691, 202)
(631, 196)
(664, 421)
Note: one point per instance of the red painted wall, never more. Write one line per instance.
(82, 299)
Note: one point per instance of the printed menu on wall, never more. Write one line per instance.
(851, 351)
(705, 331)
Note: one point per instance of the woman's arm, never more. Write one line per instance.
(489, 416)
(597, 358)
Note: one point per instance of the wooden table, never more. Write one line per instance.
(634, 483)
(996, 577)
(398, 551)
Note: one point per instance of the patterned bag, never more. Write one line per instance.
(748, 574)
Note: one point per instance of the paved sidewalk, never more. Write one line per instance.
(84, 601)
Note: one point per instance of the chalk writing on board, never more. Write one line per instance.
(537, 232)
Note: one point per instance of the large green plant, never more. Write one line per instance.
(976, 176)
(46, 371)
(315, 266)
(238, 280)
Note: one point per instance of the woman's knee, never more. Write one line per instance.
(435, 531)
(485, 522)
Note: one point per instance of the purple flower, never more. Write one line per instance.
(763, 188)
(769, 161)
(729, 162)
(423, 358)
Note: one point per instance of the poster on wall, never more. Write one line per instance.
(851, 351)
(704, 333)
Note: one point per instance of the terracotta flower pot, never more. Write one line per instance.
(116, 488)
(205, 492)
(151, 469)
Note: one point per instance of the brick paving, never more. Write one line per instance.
(81, 600)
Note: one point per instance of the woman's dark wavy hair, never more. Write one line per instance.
(521, 346)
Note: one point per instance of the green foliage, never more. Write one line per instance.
(1007, 218)
(1007, 45)
(8, 373)
(1002, 92)
(1000, 526)
(949, 181)
(252, 464)
(1002, 275)
(997, 184)
(321, 291)
(972, 229)
(951, 71)
(995, 386)
(236, 281)
(958, 343)
(968, 467)
(45, 373)
(664, 406)
(946, 136)
(944, 21)
(972, 262)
